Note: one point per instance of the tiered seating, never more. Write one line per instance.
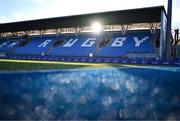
(80, 45)
(3, 44)
(137, 42)
(7, 46)
(37, 46)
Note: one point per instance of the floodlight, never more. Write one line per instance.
(96, 27)
(91, 55)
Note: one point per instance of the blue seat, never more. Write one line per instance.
(75, 49)
(133, 42)
(7, 46)
(37, 46)
(129, 45)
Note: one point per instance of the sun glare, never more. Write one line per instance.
(96, 27)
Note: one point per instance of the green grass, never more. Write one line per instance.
(6, 64)
(36, 65)
(12, 65)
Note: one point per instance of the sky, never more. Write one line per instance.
(20, 10)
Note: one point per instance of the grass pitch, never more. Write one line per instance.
(12, 65)
(6, 64)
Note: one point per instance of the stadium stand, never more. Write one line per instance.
(105, 47)
(56, 44)
(74, 45)
(37, 46)
(135, 42)
(8, 45)
(82, 45)
(73, 38)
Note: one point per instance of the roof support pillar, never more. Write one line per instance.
(169, 37)
(162, 48)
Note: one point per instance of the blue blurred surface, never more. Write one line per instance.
(149, 93)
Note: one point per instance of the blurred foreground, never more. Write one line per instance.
(108, 93)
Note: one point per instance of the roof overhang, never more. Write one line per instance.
(141, 15)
